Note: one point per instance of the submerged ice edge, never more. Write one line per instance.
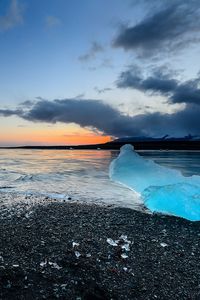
(162, 189)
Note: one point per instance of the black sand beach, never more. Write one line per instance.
(38, 259)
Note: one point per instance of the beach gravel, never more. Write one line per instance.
(78, 251)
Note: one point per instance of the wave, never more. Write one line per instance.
(25, 178)
(6, 187)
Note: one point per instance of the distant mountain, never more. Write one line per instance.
(166, 142)
(166, 137)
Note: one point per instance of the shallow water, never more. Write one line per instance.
(80, 174)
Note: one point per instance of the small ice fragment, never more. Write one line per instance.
(43, 263)
(125, 269)
(27, 215)
(88, 255)
(123, 255)
(63, 286)
(1, 259)
(163, 244)
(15, 266)
(123, 237)
(126, 247)
(77, 254)
(55, 265)
(74, 244)
(112, 242)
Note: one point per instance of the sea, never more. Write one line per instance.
(80, 175)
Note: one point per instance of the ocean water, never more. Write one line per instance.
(82, 175)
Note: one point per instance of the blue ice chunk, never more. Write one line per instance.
(180, 199)
(163, 189)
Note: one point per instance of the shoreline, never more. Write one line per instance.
(116, 145)
(38, 259)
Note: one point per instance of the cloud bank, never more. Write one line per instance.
(170, 28)
(163, 84)
(101, 116)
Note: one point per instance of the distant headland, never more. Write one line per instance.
(140, 143)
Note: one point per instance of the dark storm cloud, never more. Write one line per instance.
(180, 123)
(104, 118)
(163, 84)
(27, 103)
(86, 113)
(171, 28)
(94, 49)
(10, 112)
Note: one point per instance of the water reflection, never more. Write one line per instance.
(82, 174)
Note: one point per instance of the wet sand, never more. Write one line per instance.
(60, 251)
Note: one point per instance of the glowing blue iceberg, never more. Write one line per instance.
(162, 189)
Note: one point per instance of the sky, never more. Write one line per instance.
(82, 72)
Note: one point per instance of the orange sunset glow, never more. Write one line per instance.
(56, 140)
(69, 135)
